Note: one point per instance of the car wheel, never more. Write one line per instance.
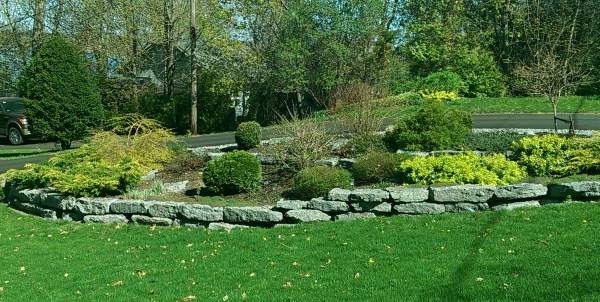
(14, 136)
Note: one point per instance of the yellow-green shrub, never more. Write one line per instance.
(546, 155)
(428, 95)
(465, 168)
(80, 173)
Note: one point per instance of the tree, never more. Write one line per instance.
(194, 69)
(63, 103)
(558, 50)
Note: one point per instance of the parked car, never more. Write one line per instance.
(13, 122)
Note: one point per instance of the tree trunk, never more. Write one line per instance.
(554, 105)
(194, 87)
(169, 55)
(39, 18)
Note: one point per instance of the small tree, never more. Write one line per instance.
(63, 103)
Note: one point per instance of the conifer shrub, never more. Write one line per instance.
(377, 166)
(464, 168)
(492, 142)
(546, 155)
(234, 172)
(317, 181)
(433, 127)
(62, 101)
(248, 135)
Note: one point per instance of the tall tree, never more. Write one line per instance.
(39, 24)
(193, 71)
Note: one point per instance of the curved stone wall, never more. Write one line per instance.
(339, 204)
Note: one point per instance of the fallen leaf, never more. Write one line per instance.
(371, 261)
(244, 296)
(357, 275)
(505, 286)
(307, 275)
(288, 284)
(189, 298)
(63, 232)
(117, 283)
(66, 275)
(252, 274)
(1, 289)
(226, 298)
(140, 273)
(190, 245)
(22, 268)
(295, 263)
(479, 279)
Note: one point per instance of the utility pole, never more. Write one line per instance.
(194, 78)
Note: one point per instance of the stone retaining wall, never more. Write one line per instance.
(339, 204)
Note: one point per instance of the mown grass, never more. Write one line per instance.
(391, 107)
(8, 154)
(542, 254)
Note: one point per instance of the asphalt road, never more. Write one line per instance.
(495, 121)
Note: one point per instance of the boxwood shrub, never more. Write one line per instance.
(319, 180)
(234, 172)
(248, 135)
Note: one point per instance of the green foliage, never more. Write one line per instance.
(319, 180)
(480, 73)
(443, 81)
(438, 96)
(234, 172)
(492, 142)
(248, 135)
(587, 157)
(465, 168)
(432, 128)
(63, 103)
(377, 166)
(143, 140)
(80, 173)
(546, 155)
(362, 144)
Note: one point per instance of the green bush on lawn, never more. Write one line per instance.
(464, 168)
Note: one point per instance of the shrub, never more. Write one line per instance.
(446, 81)
(587, 157)
(431, 128)
(362, 144)
(248, 135)
(63, 103)
(546, 155)
(184, 161)
(465, 168)
(234, 172)
(492, 142)
(318, 181)
(441, 96)
(377, 166)
(308, 142)
(80, 173)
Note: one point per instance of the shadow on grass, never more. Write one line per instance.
(24, 153)
(454, 291)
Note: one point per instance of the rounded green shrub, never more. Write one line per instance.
(318, 181)
(377, 166)
(248, 135)
(433, 127)
(464, 168)
(362, 144)
(234, 172)
(546, 155)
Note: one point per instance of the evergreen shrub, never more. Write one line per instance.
(433, 127)
(248, 135)
(319, 180)
(447, 81)
(492, 142)
(546, 155)
(377, 166)
(62, 101)
(234, 172)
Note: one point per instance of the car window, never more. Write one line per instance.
(13, 106)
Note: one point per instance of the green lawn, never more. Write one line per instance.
(8, 154)
(543, 254)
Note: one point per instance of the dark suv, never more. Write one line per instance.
(13, 123)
